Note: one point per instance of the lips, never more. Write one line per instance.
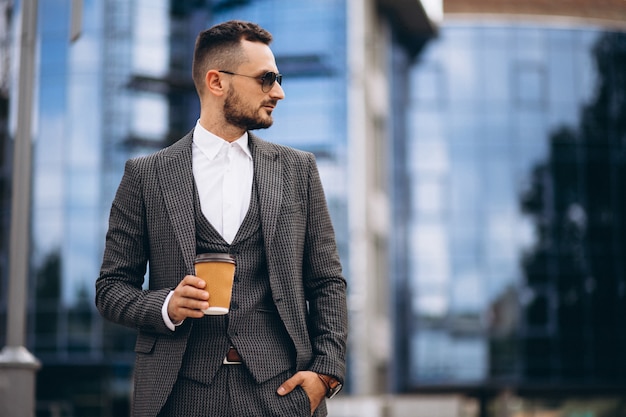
(269, 105)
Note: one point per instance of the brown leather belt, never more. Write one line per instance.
(232, 357)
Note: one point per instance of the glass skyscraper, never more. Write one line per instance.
(514, 262)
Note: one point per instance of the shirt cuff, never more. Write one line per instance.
(166, 317)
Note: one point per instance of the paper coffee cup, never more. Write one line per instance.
(218, 271)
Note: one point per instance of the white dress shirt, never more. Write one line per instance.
(223, 174)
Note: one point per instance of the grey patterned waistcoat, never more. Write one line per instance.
(253, 325)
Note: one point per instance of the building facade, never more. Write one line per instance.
(515, 150)
(510, 279)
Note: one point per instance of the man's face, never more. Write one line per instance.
(246, 105)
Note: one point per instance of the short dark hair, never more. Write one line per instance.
(219, 47)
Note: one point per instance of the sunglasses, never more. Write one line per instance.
(267, 80)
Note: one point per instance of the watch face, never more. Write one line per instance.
(334, 390)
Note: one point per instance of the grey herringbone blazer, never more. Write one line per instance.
(152, 223)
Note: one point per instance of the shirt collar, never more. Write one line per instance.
(210, 144)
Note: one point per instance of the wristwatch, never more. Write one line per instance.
(333, 386)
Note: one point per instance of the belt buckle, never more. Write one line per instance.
(227, 362)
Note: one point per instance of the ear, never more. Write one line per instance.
(214, 82)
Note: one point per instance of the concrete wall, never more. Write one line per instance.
(403, 406)
(611, 12)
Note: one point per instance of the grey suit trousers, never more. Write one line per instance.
(235, 393)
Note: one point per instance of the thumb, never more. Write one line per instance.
(290, 384)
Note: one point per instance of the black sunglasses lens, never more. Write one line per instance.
(269, 79)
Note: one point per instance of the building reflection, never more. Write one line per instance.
(574, 274)
(514, 273)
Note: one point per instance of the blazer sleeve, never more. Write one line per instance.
(120, 296)
(324, 283)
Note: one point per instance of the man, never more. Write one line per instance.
(281, 348)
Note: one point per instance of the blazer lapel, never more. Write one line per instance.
(269, 182)
(175, 176)
(176, 180)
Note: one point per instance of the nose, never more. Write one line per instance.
(277, 92)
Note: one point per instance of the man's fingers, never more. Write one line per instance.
(311, 384)
(193, 288)
(189, 299)
(189, 304)
(290, 384)
(193, 281)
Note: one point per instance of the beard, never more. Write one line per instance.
(240, 114)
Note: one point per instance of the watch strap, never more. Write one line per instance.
(332, 384)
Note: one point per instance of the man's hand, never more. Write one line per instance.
(188, 300)
(310, 383)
